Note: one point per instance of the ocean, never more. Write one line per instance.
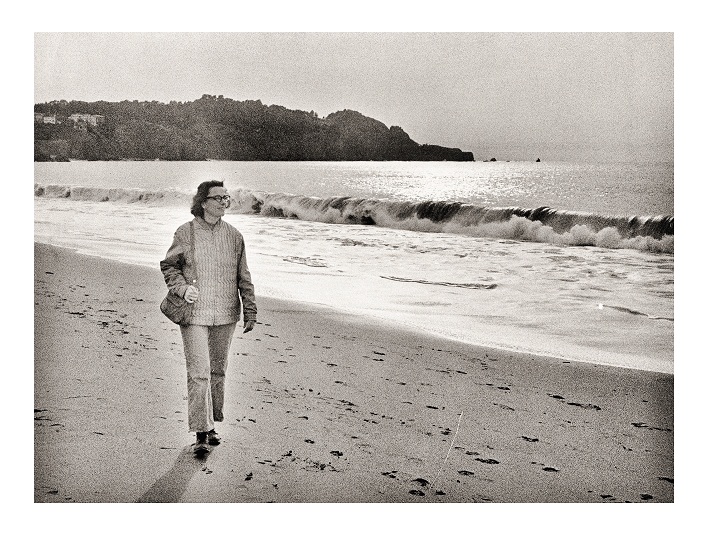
(569, 260)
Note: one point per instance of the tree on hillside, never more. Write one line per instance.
(215, 127)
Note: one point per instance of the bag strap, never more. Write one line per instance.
(193, 247)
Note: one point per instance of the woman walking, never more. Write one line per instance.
(206, 265)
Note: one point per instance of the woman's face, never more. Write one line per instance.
(212, 206)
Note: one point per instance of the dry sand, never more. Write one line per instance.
(324, 407)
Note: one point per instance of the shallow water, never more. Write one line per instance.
(606, 306)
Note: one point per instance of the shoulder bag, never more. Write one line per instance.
(173, 306)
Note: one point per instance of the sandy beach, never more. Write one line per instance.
(322, 406)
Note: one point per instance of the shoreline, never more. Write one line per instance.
(415, 330)
(324, 407)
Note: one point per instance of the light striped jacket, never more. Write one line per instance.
(221, 276)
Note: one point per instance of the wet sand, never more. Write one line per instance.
(324, 407)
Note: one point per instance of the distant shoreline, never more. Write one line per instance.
(477, 162)
(220, 128)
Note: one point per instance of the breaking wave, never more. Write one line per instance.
(542, 224)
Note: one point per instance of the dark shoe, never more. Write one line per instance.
(201, 447)
(213, 438)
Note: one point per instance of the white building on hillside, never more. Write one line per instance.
(41, 118)
(90, 119)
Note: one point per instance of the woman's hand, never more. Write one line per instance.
(248, 326)
(191, 295)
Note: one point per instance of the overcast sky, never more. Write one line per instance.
(510, 96)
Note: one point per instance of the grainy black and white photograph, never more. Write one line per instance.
(353, 267)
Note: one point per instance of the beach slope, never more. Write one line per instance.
(323, 407)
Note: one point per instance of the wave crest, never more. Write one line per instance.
(542, 224)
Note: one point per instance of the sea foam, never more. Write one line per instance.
(542, 224)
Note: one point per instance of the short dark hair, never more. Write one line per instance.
(201, 196)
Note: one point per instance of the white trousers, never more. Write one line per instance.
(206, 350)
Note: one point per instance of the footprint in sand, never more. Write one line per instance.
(504, 407)
(489, 461)
(529, 439)
(422, 481)
(586, 406)
(581, 405)
(644, 425)
(465, 473)
(417, 493)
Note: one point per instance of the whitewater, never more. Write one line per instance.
(553, 269)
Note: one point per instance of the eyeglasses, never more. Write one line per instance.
(220, 199)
